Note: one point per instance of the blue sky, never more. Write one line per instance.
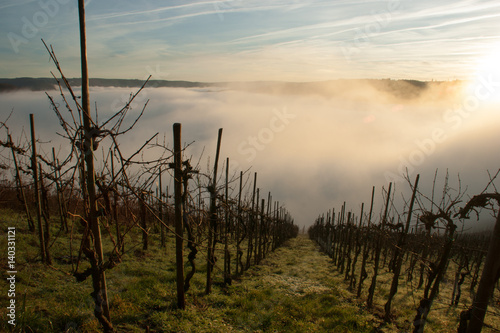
(246, 40)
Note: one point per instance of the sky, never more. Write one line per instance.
(252, 40)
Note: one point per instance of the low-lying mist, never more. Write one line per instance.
(313, 147)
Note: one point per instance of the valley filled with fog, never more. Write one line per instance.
(313, 149)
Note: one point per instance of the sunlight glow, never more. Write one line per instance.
(486, 84)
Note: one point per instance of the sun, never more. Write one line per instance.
(485, 85)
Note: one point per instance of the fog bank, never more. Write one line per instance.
(313, 151)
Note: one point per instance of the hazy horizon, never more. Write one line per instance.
(78, 77)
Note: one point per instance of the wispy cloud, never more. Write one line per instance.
(15, 3)
(160, 10)
(246, 37)
(180, 12)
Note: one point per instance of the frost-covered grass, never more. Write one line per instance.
(295, 289)
(442, 317)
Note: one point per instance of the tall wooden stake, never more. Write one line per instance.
(227, 255)
(251, 226)
(19, 182)
(261, 232)
(143, 222)
(256, 229)
(60, 195)
(371, 290)
(115, 205)
(34, 167)
(399, 255)
(239, 223)
(45, 216)
(363, 274)
(179, 226)
(212, 228)
(98, 279)
(163, 241)
(490, 276)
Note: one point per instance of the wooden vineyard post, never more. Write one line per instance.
(339, 258)
(333, 252)
(268, 223)
(189, 225)
(348, 246)
(490, 275)
(19, 182)
(179, 227)
(399, 254)
(100, 293)
(276, 225)
(261, 232)
(34, 168)
(144, 226)
(163, 240)
(256, 229)
(369, 301)
(45, 215)
(439, 266)
(166, 221)
(239, 222)
(212, 227)
(251, 225)
(491, 270)
(333, 235)
(227, 255)
(60, 195)
(119, 242)
(357, 249)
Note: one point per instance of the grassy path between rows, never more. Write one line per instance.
(296, 288)
(293, 290)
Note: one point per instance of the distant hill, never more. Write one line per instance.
(345, 88)
(27, 83)
(41, 84)
(8, 87)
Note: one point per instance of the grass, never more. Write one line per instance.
(442, 317)
(295, 289)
